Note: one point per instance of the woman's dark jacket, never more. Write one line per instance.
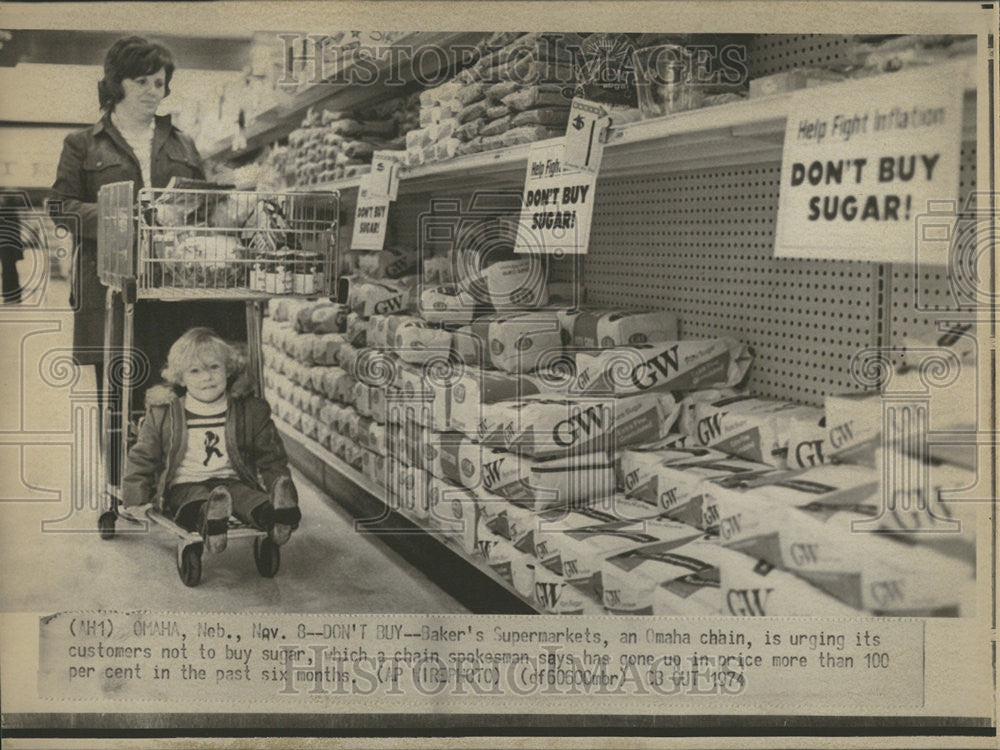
(93, 157)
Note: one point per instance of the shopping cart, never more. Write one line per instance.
(189, 243)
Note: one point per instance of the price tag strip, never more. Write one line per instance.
(585, 135)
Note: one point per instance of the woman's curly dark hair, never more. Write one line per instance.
(132, 57)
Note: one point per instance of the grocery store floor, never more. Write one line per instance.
(52, 558)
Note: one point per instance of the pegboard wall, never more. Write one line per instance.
(774, 53)
(920, 298)
(700, 243)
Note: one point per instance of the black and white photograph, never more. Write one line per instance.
(472, 374)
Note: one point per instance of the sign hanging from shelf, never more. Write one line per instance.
(556, 205)
(376, 191)
(585, 131)
(862, 163)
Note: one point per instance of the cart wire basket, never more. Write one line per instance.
(185, 242)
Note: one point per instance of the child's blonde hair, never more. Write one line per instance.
(190, 349)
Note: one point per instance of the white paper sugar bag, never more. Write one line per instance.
(930, 503)
(757, 429)
(420, 345)
(496, 551)
(326, 348)
(582, 551)
(549, 482)
(517, 284)
(388, 327)
(308, 426)
(665, 366)
(555, 595)
(461, 460)
(755, 588)
(854, 427)
(447, 304)
(543, 527)
(469, 347)
(476, 387)
(810, 523)
(413, 501)
(546, 426)
(455, 511)
(677, 576)
(373, 466)
(611, 328)
(685, 489)
(323, 434)
(639, 467)
(520, 342)
(494, 515)
(686, 418)
(368, 298)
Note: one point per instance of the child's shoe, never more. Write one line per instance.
(285, 500)
(215, 519)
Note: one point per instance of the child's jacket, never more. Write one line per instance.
(255, 449)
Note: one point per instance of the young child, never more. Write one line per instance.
(208, 448)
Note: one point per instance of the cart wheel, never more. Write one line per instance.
(189, 564)
(267, 555)
(106, 525)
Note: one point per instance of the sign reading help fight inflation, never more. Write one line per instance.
(861, 163)
(556, 206)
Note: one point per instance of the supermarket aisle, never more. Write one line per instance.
(52, 559)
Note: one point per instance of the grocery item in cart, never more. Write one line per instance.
(664, 366)
(202, 261)
(268, 228)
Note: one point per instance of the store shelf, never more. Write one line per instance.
(167, 294)
(750, 131)
(346, 93)
(347, 472)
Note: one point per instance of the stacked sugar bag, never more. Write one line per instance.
(759, 429)
(518, 91)
(828, 526)
(330, 144)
